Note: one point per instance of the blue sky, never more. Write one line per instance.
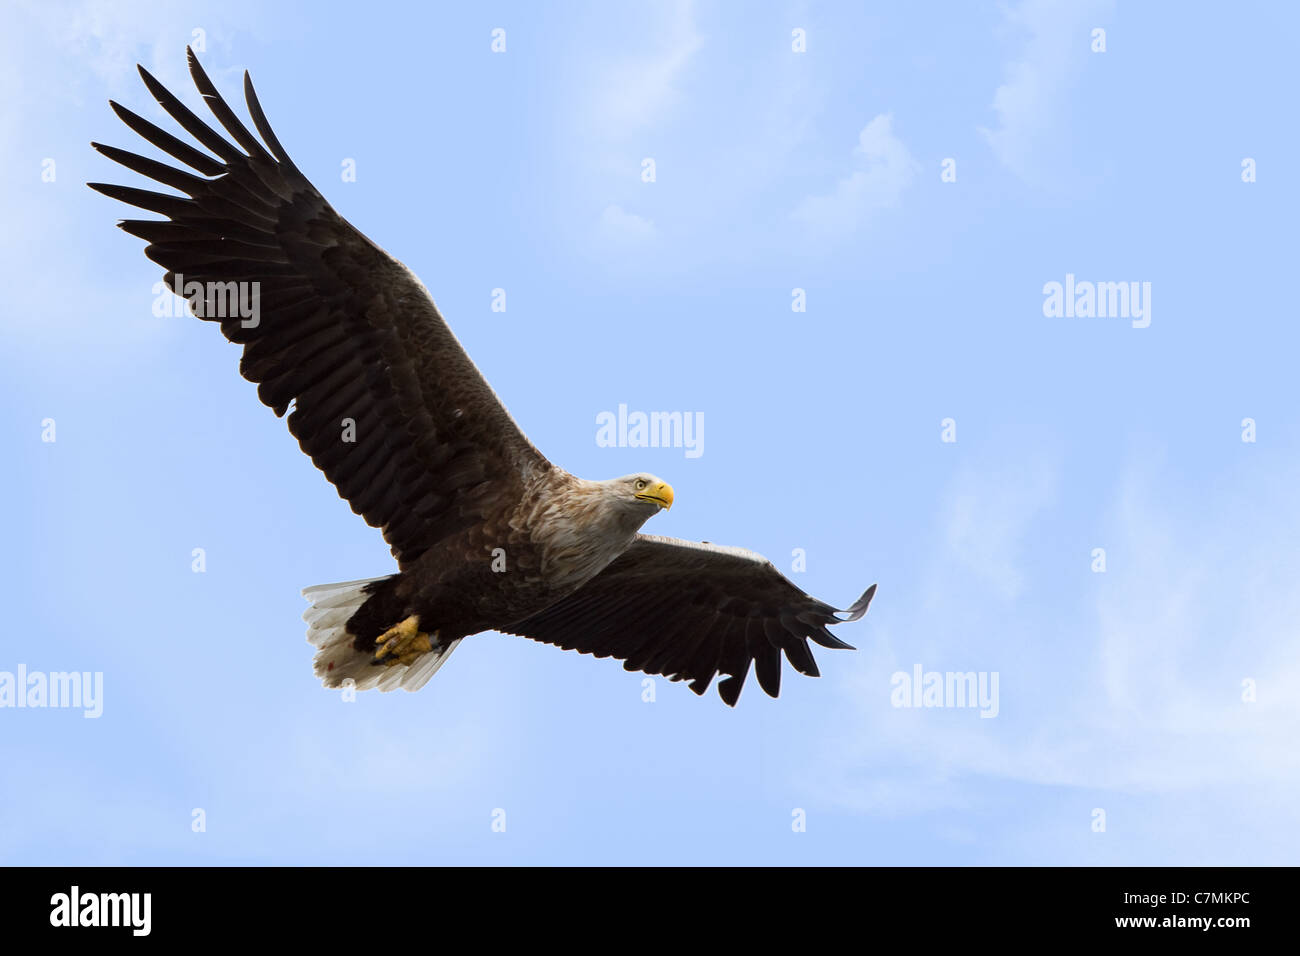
(1164, 691)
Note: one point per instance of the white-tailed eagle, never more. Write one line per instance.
(487, 533)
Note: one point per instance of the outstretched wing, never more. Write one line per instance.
(689, 611)
(385, 400)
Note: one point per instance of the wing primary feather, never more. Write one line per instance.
(859, 607)
(173, 206)
(168, 143)
(729, 689)
(826, 639)
(263, 126)
(222, 111)
(767, 655)
(200, 130)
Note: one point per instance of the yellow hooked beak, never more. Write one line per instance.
(661, 493)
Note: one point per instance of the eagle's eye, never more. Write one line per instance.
(640, 484)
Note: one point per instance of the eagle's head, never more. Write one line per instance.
(624, 504)
(648, 493)
(630, 501)
(590, 523)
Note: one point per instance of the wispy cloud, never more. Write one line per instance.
(1029, 101)
(988, 515)
(618, 225)
(885, 168)
(1136, 691)
(623, 105)
(639, 90)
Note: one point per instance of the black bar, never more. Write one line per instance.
(334, 906)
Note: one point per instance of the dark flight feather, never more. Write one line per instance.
(737, 608)
(345, 330)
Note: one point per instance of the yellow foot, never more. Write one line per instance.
(402, 643)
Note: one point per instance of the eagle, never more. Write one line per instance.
(487, 533)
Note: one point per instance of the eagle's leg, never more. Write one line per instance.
(402, 643)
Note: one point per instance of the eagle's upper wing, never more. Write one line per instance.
(344, 331)
(690, 610)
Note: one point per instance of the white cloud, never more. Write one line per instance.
(624, 101)
(988, 515)
(635, 91)
(886, 168)
(1029, 101)
(1126, 683)
(618, 225)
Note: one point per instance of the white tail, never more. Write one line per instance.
(337, 660)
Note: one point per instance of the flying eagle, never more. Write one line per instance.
(487, 533)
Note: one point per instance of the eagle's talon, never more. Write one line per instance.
(402, 643)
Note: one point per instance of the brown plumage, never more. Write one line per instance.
(488, 534)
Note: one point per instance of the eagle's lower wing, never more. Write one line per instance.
(690, 611)
(344, 332)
